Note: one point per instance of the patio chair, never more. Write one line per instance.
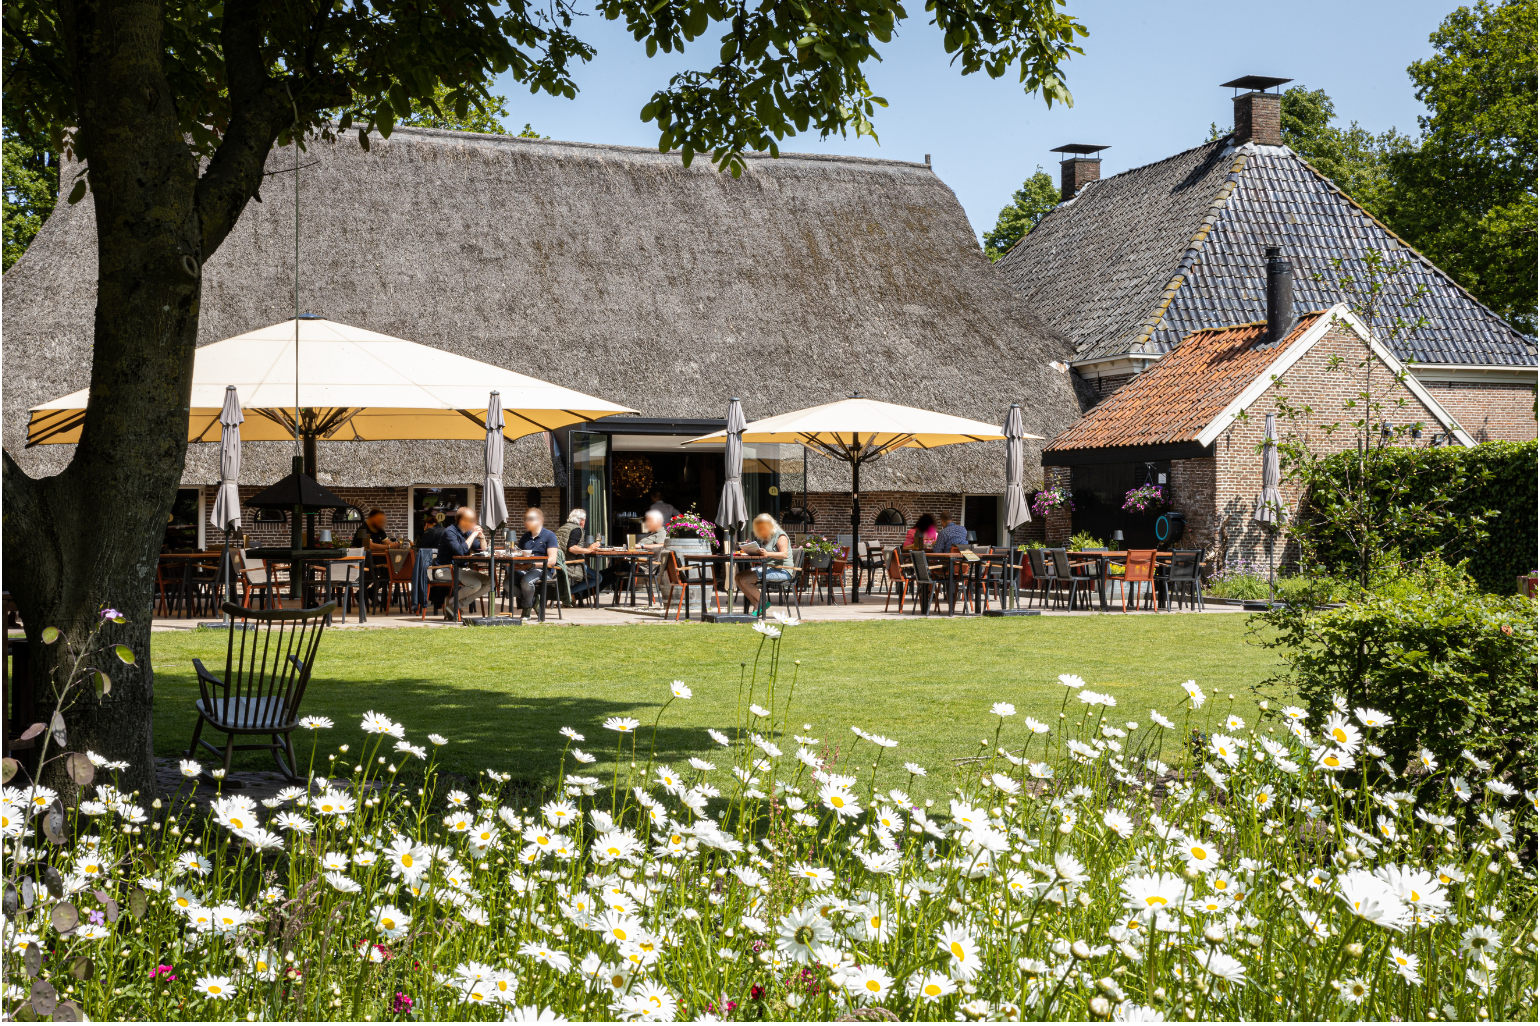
(1069, 583)
(786, 590)
(344, 580)
(1042, 575)
(256, 580)
(1139, 569)
(400, 571)
(871, 561)
(1183, 581)
(424, 590)
(924, 584)
(267, 669)
(680, 579)
(897, 575)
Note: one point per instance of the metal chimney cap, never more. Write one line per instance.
(1080, 149)
(1259, 83)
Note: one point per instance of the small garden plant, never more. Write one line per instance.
(1212, 859)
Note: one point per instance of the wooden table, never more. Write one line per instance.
(730, 559)
(297, 560)
(637, 558)
(514, 561)
(976, 561)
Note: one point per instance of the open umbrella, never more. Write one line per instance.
(733, 509)
(858, 431)
(348, 384)
(226, 514)
(494, 505)
(1269, 509)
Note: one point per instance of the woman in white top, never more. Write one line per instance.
(775, 570)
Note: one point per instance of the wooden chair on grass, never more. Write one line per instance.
(269, 656)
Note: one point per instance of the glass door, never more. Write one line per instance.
(591, 482)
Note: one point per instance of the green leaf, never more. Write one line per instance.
(50, 635)
(102, 683)
(124, 653)
(8, 769)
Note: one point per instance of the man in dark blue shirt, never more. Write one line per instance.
(538, 541)
(461, 538)
(950, 534)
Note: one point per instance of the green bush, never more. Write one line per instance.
(1084, 541)
(1455, 670)
(1502, 478)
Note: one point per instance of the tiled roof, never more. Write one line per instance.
(1139, 260)
(1177, 398)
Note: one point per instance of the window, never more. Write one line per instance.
(981, 516)
(184, 524)
(431, 505)
(590, 485)
(889, 517)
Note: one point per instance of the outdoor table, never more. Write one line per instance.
(1104, 576)
(975, 568)
(730, 559)
(637, 558)
(514, 561)
(299, 560)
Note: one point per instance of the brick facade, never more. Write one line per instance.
(1218, 494)
(1075, 172)
(1490, 411)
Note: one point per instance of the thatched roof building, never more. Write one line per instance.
(612, 270)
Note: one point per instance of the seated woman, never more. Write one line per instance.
(923, 534)
(776, 570)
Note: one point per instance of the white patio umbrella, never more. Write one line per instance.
(858, 431)
(494, 504)
(1269, 510)
(226, 514)
(348, 383)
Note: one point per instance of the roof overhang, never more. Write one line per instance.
(1291, 355)
(1126, 454)
(1111, 366)
(1475, 374)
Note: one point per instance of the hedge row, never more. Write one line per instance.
(1509, 548)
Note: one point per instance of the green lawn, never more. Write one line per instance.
(501, 696)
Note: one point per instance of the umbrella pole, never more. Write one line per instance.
(732, 578)
(855, 530)
(1269, 529)
(229, 577)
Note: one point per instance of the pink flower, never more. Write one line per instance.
(163, 970)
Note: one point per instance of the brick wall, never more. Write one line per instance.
(1491, 412)
(1058, 525)
(1259, 119)
(1228, 529)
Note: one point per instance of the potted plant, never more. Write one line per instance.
(1050, 499)
(1147, 498)
(691, 532)
(818, 550)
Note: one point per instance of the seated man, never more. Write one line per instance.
(653, 539)
(461, 538)
(536, 540)
(371, 531)
(570, 537)
(950, 534)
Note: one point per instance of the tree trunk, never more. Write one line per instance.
(90, 537)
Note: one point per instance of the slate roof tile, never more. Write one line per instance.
(1138, 261)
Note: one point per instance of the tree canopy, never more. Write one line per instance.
(1465, 194)
(1037, 195)
(1352, 157)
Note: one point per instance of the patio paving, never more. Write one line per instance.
(870, 608)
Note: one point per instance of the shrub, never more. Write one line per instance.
(1455, 670)
(1084, 541)
(1239, 579)
(1502, 478)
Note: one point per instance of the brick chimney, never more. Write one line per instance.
(1258, 113)
(1078, 165)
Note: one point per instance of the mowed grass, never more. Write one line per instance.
(501, 695)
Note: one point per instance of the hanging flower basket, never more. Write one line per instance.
(1050, 499)
(692, 525)
(1147, 498)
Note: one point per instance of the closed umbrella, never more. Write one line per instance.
(1016, 511)
(226, 514)
(733, 509)
(1269, 509)
(494, 505)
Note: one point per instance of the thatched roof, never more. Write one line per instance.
(612, 270)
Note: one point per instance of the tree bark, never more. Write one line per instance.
(90, 537)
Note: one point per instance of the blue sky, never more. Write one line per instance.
(1147, 86)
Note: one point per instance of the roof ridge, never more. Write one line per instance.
(1252, 324)
(1194, 247)
(1425, 261)
(503, 140)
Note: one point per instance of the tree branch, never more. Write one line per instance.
(260, 109)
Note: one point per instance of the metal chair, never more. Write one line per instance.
(786, 589)
(897, 575)
(684, 578)
(1183, 580)
(346, 580)
(267, 669)
(1139, 569)
(924, 584)
(1069, 583)
(1042, 575)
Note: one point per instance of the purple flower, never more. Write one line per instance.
(97, 917)
(112, 614)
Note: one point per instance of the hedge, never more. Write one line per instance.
(1509, 548)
